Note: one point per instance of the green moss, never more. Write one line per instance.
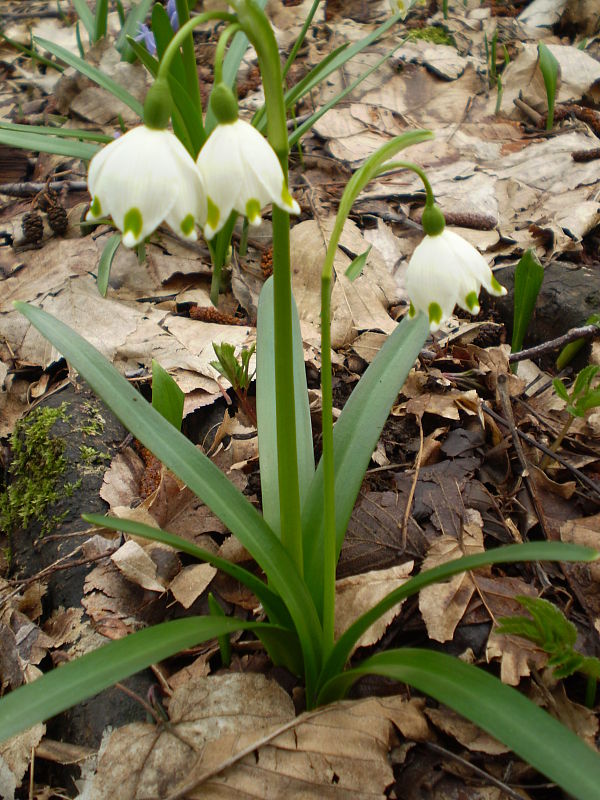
(434, 34)
(36, 470)
(95, 422)
(89, 455)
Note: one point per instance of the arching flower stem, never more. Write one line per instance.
(225, 36)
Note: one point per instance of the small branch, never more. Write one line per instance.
(585, 332)
(28, 188)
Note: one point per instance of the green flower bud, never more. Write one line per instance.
(224, 104)
(158, 105)
(433, 220)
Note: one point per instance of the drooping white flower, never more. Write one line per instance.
(444, 271)
(143, 178)
(240, 172)
(402, 6)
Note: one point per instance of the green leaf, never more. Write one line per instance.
(46, 143)
(500, 710)
(167, 397)
(272, 603)
(538, 551)
(224, 641)
(86, 676)
(569, 351)
(560, 389)
(163, 33)
(196, 470)
(86, 17)
(105, 263)
(49, 130)
(357, 266)
(550, 69)
(299, 132)
(100, 23)
(355, 436)
(529, 275)
(265, 409)
(94, 75)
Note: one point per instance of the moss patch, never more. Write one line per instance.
(36, 472)
(434, 34)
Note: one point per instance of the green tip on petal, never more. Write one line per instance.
(95, 209)
(497, 288)
(412, 312)
(213, 215)
(187, 225)
(472, 302)
(253, 211)
(435, 315)
(132, 224)
(288, 201)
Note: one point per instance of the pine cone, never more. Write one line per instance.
(33, 227)
(57, 218)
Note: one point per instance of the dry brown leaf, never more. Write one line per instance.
(468, 734)
(136, 565)
(15, 755)
(442, 605)
(338, 752)
(189, 584)
(356, 594)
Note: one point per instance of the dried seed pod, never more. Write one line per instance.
(57, 218)
(33, 227)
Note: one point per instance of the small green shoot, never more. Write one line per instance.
(236, 372)
(550, 70)
(529, 275)
(358, 264)
(569, 351)
(105, 263)
(552, 632)
(224, 642)
(579, 400)
(167, 397)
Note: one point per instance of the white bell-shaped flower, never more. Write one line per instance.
(240, 171)
(143, 178)
(444, 271)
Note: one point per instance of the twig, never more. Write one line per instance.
(29, 188)
(411, 493)
(585, 332)
(477, 770)
(229, 762)
(531, 441)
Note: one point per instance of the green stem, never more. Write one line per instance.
(557, 442)
(220, 51)
(183, 35)
(189, 56)
(257, 28)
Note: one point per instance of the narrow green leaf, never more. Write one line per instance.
(569, 351)
(101, 20)
(299, 132)
(224, 641)
(265, 408)
(93, 74)
(45, 143)
(357, 266)
(529, 275)
(105, 263)
(300, 39)
(560, 389)
(163, 33)
(167, 397)
(32, 53)
(531, 551)
(550, 69)
(49, 130)
(500, 710)
(355, 436)
(71, 683)
(272, 603)
(196, 470)
(87, 18)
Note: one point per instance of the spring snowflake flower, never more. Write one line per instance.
(240, 171)
(444, 271)
(143, 178)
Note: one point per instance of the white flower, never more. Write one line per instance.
(143, 178)
(445, 270)
(240, 171)
(402, 6)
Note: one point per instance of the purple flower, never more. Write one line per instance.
(172, 12)
(146, 36)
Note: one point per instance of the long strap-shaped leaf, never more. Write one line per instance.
(354, 436)
(70, 684)
(500, 710)
(196, 470)
(272, 603)
(93, 74)
(46, 143)
(265, 404)
(530, 551)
